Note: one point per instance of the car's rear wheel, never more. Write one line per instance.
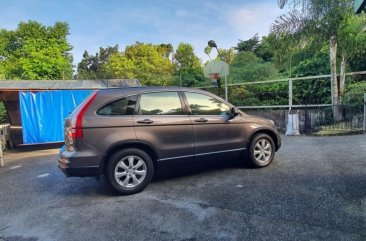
(129, 171)
(261, 150)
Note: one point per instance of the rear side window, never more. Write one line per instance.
(125, 106)
(206, 105)
(161, 103)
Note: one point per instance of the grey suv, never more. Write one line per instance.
(126, 133)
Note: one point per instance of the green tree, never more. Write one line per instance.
(283, 47)
(308, 62)
(249, 45)
(262, 48)
(208, 51)
(3, 114)
(321, 19)
(246, 66)
(120, 67)
(146, 62)
(35, 52)
(352, 42)
(2, 70)
(152, 66)
(92, 66)
(228, 55)
(187, 65)
(166, 50)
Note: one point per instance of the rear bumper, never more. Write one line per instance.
(71, 164)
(80, 172)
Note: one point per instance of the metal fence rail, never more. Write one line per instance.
(291, 91)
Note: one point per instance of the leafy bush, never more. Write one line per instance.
(355, 93)
(3, 115)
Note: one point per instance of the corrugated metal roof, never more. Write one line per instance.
(65, 84)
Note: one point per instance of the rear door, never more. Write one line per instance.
(108, 124)
(215, 132)
(162, 123)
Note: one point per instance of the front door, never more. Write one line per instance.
(162, 123)
(215, 131)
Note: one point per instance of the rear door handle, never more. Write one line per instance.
(201, 120)
(146, 121)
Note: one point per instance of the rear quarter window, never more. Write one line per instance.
(124, 106)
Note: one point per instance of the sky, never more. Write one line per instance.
(102, 23)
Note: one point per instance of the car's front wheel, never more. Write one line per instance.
(129, 171)
(261, 150)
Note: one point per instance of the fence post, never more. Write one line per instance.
(1, 153)
(364, 112)
(226, 94)
(290, 93)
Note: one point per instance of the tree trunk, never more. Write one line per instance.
(333, 79)
(342, 84)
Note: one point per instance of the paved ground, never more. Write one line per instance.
(314, 190)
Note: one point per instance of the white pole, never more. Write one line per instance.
(1, 154)
(290, 94)
(226, 88)
(331, 92)
(364, 113)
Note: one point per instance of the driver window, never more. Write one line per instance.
(201, 104)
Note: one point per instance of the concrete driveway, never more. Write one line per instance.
(314, 190)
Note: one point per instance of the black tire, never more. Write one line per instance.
(261, 150)
(126, 178)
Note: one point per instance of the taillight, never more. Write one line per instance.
(76, 128)
(69, 139)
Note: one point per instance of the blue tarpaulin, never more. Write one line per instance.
(43, 113)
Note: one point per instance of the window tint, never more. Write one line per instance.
(162, 103)
(124, 106)
(206, 105)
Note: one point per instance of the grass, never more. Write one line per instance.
(336, 132)
(338, 129)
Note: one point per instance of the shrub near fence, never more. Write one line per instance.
(3, 115)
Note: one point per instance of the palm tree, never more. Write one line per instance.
(320, 19)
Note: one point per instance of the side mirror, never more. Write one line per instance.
(234, 112)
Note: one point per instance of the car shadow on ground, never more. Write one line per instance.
(171, 172)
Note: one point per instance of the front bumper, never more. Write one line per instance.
(279, 142)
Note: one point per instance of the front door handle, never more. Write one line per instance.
(201, 120)
(145, 121)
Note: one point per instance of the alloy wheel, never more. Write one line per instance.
(262, 150)
(130, 171)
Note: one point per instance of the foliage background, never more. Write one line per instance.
(34, 52)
